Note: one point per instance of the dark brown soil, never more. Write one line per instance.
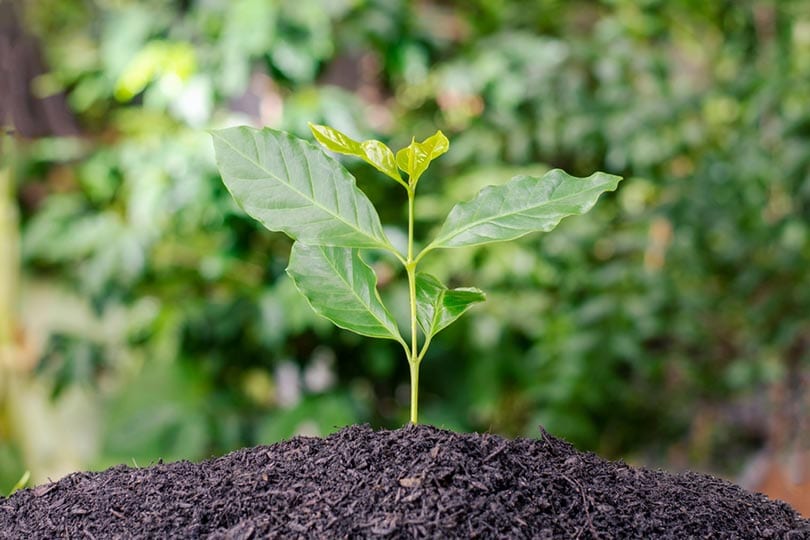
(417, 481)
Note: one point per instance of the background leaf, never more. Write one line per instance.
(524, 204)
(437, 306)
(291, 186)
(342, 288)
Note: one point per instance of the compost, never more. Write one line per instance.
(414, 482)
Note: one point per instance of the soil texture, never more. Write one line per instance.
(414, 482)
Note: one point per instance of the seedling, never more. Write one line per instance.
(294, 187)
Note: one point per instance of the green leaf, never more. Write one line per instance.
(373, 152)
(340, 286)
(437, 306)
(523, 205)
(381, 157)
(292, 186)
(335, 140)
(415, 158)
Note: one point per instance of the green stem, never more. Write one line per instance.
(414, 391)
(413, 355)
(423, 253)
(425, 346)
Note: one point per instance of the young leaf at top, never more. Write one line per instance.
(373, 152)
(289, 185)
(523, 205)
(340, 286)
(335, 140)
(437, 306)
(415, 158)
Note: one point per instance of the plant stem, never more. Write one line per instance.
(414, 365)
(413, 356)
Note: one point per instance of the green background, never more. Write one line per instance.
(669, 326)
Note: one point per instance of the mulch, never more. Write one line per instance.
(414, 482)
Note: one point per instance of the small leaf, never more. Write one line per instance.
(335, 141)
(523, 205)
(373, 152)
(415, 158)
(381, 157)
(340, 286)
(437, 306)
(291, 186)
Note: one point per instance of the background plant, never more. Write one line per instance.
(669, 324)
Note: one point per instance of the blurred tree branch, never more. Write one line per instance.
(20, 64)
(9, 274)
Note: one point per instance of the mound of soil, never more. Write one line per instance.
(418, 481)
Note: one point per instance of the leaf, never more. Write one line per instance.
(291, 186)
(373, 152)
(523, 205)
(381, 157)
(437, 306)
(415, 158)
(340, 286)
(335, 140)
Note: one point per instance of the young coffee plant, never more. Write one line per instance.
(294, 187)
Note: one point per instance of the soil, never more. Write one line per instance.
(418, 481)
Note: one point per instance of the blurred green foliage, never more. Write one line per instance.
(680, 298)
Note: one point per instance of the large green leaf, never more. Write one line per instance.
(292, 186)
(340, 286)
(373, 152)
(437, 306)
(415, 158)
(523, 205)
